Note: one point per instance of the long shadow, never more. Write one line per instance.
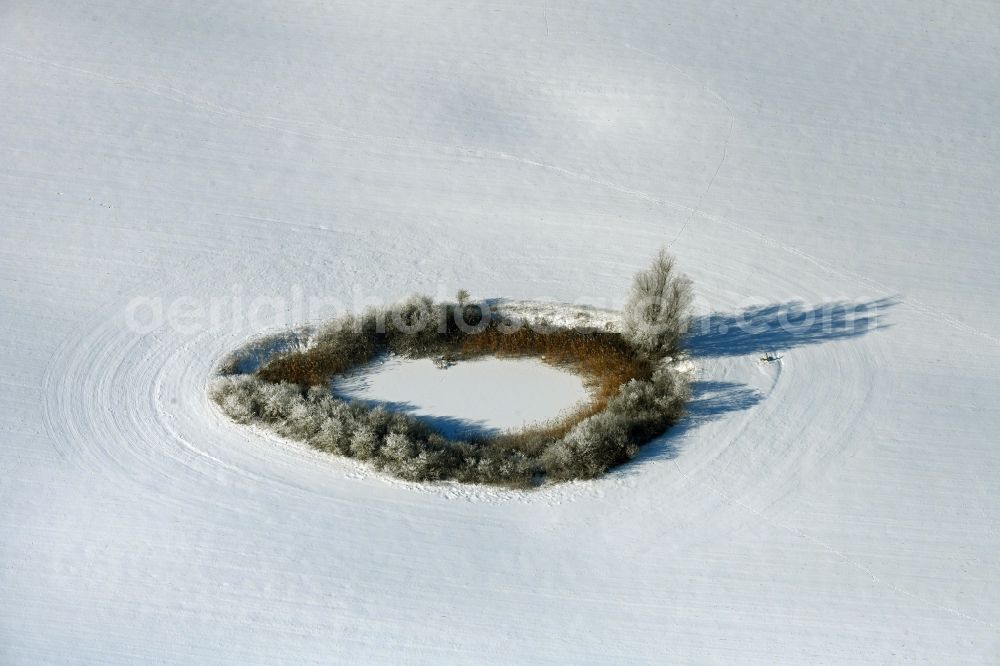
(784, 326)
(777, 327)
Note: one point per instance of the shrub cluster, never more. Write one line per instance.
(638, 392)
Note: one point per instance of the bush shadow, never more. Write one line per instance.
(449, 426)
(253, 355)
(710, 400)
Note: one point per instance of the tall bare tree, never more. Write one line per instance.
(657, 312)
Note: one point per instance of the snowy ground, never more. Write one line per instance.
(228, 162)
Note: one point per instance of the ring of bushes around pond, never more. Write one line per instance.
(282, 383)
(634, 397)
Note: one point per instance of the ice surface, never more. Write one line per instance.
(476, 396)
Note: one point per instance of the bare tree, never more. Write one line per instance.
(657, 313)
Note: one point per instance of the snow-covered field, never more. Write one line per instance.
(231, 163)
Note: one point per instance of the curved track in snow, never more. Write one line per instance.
(834, 506)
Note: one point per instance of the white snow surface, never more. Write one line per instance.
(476, 396)
(838, 506)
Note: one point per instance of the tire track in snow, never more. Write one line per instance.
(847, 559)
(757, 502)
(82, 358)
(267, 123)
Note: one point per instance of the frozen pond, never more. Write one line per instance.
(482, 395)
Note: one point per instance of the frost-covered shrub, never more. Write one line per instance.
(590, 448)
(365, 443)
(303, 421)
(238, 396)
(277, 400)
(398, 446)
(333, 436)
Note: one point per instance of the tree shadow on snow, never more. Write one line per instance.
(783, 326)
(758, 330)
